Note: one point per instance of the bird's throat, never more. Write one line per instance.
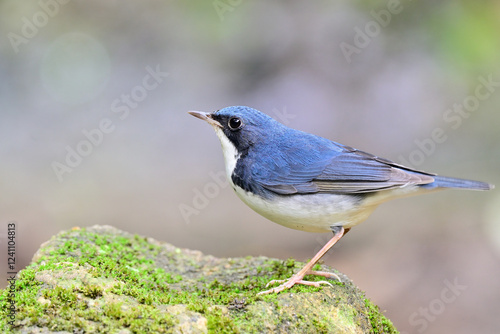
(231, 154)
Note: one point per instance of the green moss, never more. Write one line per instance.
(97, 280)
(117, 258)
(219, 321)
(380, 324)
(91, 291)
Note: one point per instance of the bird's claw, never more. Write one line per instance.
(274, 281)
(289, 283)
(324, 274)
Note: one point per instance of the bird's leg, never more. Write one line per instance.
(338, 232)
(325, 273)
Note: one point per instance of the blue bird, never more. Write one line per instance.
(310, 183)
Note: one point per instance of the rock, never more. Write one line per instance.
(101, 279)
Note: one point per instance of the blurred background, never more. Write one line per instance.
(94, 130)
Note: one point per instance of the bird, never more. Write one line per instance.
(310, 183)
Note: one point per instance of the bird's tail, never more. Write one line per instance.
(451, 182)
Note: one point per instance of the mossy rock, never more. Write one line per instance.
(103, 280)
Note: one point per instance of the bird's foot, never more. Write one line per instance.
(298, 278)
(295, 279)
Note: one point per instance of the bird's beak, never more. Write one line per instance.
(206, 116)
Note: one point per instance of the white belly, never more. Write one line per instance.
(318, 212)
(311, 213)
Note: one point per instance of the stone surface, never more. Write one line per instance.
(104, 280)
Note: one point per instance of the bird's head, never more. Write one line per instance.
(239, 128)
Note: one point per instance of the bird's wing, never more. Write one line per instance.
(341, 171)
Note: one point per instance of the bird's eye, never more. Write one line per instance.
(235, 123)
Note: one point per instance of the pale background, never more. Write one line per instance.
(61, 74)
